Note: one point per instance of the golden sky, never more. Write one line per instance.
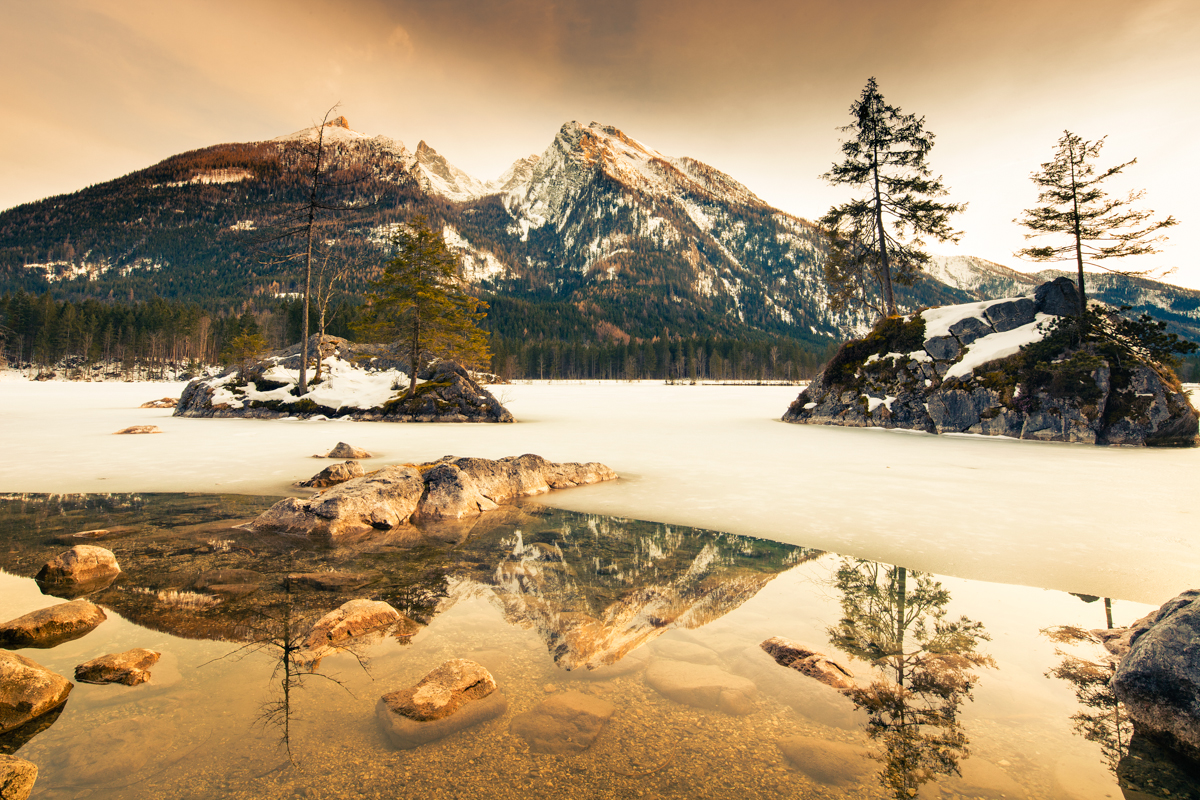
(94, 89)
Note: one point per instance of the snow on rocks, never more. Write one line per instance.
(358, 382)
(451, 488)
(964, 373)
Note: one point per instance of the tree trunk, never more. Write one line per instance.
(885, 270)
(414, 352)
(1078, 236)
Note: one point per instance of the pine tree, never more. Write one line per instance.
(876, 239)
(1097, 226)
(418, 304)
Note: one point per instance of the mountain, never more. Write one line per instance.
(598, 238)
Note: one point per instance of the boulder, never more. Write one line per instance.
(166, 402)
(48, 627)
(455, 696)
(334, 474)
(1159, 679)
(564, 723)
(114, 752)
(380, 501)
(27, 691)
(808, 661)
(824, 761)
(17, 777)
(1059, 297)
(351, 623)
(969, 329)
(451, 493)
(343, 450)
(1011, 314)
(134, 429)
(703, 686)
(943, 348)
(129, 668)
(84, 566)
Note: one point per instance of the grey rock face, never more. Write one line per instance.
(956, 411)
(969, 329)
(1058, 297)
(1012, 314)
(48, 627)
(27, 691)
(129, 668)
(451, 493)
(1159, 679)
(17, 777)
(456, 695)
(943, 348)
(565, 723)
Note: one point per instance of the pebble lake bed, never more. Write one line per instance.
(726, 527)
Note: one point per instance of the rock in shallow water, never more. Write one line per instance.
(832, 763)
(565, 723)
(456, 695)
(17, 777)
(48, 627)
(27, 690)
(129, 668)
(343, 450)
(809, 662)
(83, 567)
(353, 622)
(334, 474)
(703, 686)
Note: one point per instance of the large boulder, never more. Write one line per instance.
(380, 501)
(448, 489)
(81, 570)
(1158, 680)
(17, 777)
(984, 368)
(129, 668)
(49, 627)
(455, 696)
(564, 723)
(361, 382)
(27, 691)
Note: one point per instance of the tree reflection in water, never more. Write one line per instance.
(896, 620)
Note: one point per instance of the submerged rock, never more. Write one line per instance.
(135, 429)
(129, 668)
(456, 695)
(703, 686)
(27, 691)
(17, 777)
(449, 489)
(48, 627)
(962, 369)
(360, 382)
(1158, 680)
(824, 761)
(333, 475)
(565, 723)
(808, 661)
(329, 581)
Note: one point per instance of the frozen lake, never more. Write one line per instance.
(1110, 522)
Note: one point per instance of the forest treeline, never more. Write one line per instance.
(159, 338)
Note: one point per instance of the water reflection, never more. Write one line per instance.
(897, 621)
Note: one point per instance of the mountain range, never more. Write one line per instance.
(598, 237)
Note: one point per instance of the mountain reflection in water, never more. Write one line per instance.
(597, 598)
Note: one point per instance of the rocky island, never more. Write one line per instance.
(1001, 368)
(357, 381)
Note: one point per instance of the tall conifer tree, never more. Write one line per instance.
(875, 240)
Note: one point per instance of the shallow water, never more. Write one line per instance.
(552, 602)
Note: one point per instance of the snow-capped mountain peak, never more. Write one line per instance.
(439, 176)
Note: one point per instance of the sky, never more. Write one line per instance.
(95, 89)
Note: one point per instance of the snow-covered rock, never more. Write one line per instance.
(964, 369)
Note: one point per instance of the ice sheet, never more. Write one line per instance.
(1115, 522)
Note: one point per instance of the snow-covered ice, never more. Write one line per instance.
(1114, 522)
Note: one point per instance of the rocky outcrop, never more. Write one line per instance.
(449, 489)
(565, 723)
(27, 691)
(808, 661)
(17, 777)
(360, 382)
(455, 696)
(129, 668)
(1158, 680)
(333, 475)
(993, 368)
(82, 569)
(49, 627)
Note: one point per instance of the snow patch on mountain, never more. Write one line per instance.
(475, 265)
